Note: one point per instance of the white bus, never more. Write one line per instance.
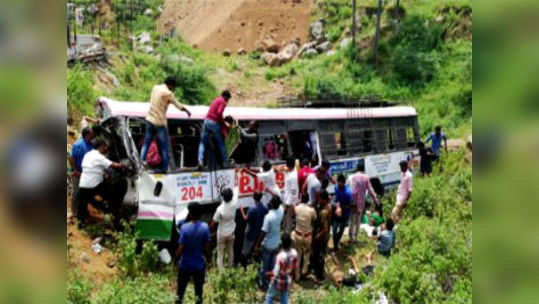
(379, 137)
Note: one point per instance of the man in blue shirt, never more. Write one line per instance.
(386, 240)
(270, 237)
(255, 219)
(343, 202)
(80, 147)
(436, 137)
(194, 239)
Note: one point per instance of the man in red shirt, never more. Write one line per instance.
(304, 172)
(213, 123)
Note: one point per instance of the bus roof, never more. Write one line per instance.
(140, 109)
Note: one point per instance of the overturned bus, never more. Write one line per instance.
(378, 137)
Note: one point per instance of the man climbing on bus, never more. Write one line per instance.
(213, 124)
(156, 120)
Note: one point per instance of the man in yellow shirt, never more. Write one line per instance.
(156, 120)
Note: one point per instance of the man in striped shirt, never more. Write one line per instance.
(156, 120)
(283, 272)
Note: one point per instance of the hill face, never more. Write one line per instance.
(217, 25)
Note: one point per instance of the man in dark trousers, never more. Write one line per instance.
(321, 235)
(213, 124)
(194, 240)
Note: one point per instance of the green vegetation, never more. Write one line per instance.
(425, 61)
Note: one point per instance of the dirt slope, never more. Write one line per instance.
(216, 25)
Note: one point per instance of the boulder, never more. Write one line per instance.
(309, 53)
(455, 144)
(271, 59)
(345, 42)
(226, 53)
(323, 47)
(270, 45)
(331, 53)
(148, 12)
(317, 30)
(287, 53)
(144, 38)
(306, 46)
(242, 51)
(148, 49)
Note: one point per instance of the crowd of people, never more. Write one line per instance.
(289, 233)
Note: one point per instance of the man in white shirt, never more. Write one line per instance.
(92, 183)
(225, 216)
(291, 193)
(267, 177)
(313, 185)
(403, 193)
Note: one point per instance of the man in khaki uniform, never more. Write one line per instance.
(321, 235)
(156, 120)
(302, 236)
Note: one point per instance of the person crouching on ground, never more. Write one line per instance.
(283, 272)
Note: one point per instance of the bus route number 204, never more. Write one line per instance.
(191, 193)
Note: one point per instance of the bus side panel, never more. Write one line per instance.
(158, 209)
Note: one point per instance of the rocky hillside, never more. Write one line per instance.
(234, 25)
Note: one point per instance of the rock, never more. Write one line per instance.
(469, 142)
(148, 49)
(306, 46)
(111, 263)
(270, 45)
(287, 53)
(148, 12)
(195, 46)
(317, 29)
(345, 42)
(144, 38)
(439, 18)
(242, 51)
(271, 59)
(309, 53)
(331, 53)
(109, 77)
(455, 144)
(84, 257)
(226, 53)
(324, 47)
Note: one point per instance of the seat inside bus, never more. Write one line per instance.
(184, 140)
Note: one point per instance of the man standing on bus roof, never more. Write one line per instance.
(156, 120)
(212, 124)
(436, 137)
(403, 193)
(359, 184)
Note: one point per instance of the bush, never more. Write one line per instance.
(151, 289)
(233, 285)
(130, 264)
(80, 92)
(78, 289)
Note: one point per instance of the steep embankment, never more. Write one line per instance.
(216, 25)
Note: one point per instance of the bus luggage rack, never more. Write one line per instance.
(368, 102)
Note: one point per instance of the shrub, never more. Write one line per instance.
(78, 289)
(151, 289)
(80, 92)
(233, 285)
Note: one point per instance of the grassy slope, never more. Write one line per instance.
(433, 258)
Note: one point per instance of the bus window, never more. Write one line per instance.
(275, 147)
(184, 140)
(382, 140)
(304, 144)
